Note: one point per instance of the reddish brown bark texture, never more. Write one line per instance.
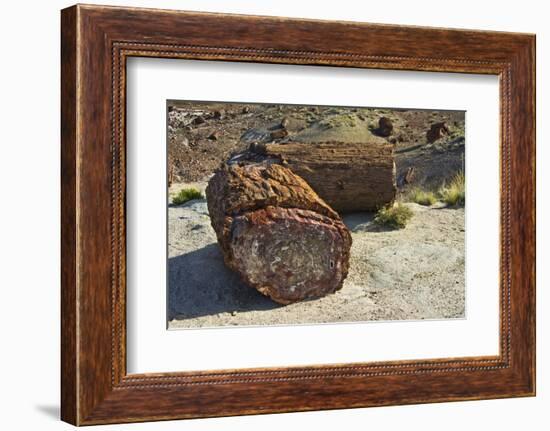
(277, 233)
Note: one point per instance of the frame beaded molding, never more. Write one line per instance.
(123, 49)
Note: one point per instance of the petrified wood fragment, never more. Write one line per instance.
(385, 127)
(277, 233)
(437, 131)
(347, 176)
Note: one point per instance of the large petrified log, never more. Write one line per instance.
(347, 176)
(277, 233)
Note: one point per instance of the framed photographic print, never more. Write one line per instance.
(264, 214)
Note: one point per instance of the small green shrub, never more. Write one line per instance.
(454, 194)
(396, 216)
(423, 197)
(185, 195)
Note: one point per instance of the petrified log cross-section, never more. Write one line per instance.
(277, 233)
(347, 176)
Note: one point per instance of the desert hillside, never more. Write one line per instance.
(201, 136)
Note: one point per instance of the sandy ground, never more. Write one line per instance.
(412, 273)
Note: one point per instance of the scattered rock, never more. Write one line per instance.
(407, 177)
(199, 120)
(279, 134)
(184, 142)
(217, 115)
(385, 127)
(437, 131)
(257, 148)
(255, 135)
(293, 124)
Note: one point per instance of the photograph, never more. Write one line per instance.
(282, 214)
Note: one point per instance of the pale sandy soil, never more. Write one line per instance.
(413, 273)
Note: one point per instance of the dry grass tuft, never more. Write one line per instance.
(186, 195)
(454, 193)
(422, 197)
(396, 216)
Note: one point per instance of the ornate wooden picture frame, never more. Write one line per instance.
(96, 41)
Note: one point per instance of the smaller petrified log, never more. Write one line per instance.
(277, 233)
(347, 176)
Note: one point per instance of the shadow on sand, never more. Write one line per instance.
(199, 284)
(363, 222)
